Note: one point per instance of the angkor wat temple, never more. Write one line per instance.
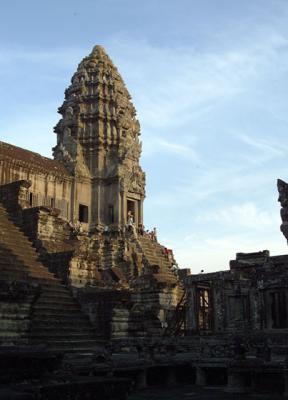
(93, 306)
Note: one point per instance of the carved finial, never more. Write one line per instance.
(283, 192)
(98, 51)
(283, 200)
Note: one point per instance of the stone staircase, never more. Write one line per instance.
(54, 318)
(154, 256)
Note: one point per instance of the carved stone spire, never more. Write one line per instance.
(98, 134)
(283, 200)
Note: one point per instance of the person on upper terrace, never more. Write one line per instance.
(141, 229)
(130, 220)
(130, 223)
(175, 268)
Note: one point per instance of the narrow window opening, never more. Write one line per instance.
(31, 199)
(204, 309)
(83, 213)
(111, 214)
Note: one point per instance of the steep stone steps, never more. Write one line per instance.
(47, 306)
(54, 318)
(17, 274)
(74, 345)
(49, 322)
(154, 255)
(53, 331)
(57, 336)
(51, 297)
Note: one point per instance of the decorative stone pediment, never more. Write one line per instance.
(133, 181)
(70, 152)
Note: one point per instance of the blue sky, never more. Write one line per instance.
(209, 81)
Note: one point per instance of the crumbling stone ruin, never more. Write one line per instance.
(92, 303)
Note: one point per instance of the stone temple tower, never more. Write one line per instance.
(98, 141)
(126, 281)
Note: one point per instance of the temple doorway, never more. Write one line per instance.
(131, 208)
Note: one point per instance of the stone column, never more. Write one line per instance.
(236, 382)
(136, 213)
(201, 376)
(141, 380)
(254, 381)
(118, 210)
(124, 197)
(191, 311)
(285, 394)
(140, 207)
(93, 215)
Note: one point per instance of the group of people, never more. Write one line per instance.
(76, 227)
(152, 235)
(131, 227)
(169, 254)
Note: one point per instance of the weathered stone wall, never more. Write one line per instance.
(52, 236)
(14, 196)
(251, 297)
(112, 265)
(48, 186)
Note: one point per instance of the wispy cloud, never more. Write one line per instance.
(181, 81)
(207, 184)
(244, 215)
(66, 57)
(157, 145)
(266, 146)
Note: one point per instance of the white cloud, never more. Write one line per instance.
(213, 253)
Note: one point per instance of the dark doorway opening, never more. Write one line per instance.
(83, 213)
(131, 208)
(216, 376)
(156, 376)
(111, 214)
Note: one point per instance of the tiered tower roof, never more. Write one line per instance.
(98, 114)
